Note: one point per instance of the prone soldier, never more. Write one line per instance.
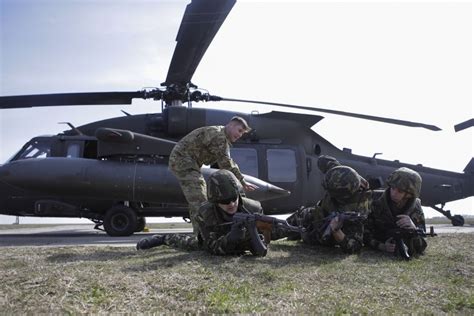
(218, 233)
(397, 214)
(338, 218)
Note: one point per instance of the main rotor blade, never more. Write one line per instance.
(59, 99)
(361, 116)
(201, 21)
(464, 125)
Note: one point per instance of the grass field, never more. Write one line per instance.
(292, 278)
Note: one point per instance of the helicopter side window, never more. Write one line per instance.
(90, 149)
(281, 165)
(73, 151)
(246, 159)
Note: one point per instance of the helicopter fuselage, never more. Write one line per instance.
(124, 161)
(285, 157)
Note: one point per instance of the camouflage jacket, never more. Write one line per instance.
(203, 146)
(214, 225)
(383, 217)
(314, 218)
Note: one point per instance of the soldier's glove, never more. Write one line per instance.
(236, 234)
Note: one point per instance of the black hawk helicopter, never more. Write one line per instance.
(114, 171)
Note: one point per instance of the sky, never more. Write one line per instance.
(398, 59)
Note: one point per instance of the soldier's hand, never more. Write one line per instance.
(250, 187)
(404, 221)
(336, 224)
(389, 245)
(364, 184)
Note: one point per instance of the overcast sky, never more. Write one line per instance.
(404, 60)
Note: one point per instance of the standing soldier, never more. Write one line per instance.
(398, 208)
(206, 146)
(214, 220)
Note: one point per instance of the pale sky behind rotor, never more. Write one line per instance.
(397, 59)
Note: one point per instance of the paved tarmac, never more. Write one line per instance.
(86, 235)
(72, 235)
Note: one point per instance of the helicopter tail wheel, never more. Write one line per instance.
(457, 220)
(120, 220)
(141, 223)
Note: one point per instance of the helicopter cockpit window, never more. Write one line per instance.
(35, 149)
(246, 159)
(281, 165)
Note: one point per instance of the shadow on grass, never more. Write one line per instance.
(279, 254)
(98, 255)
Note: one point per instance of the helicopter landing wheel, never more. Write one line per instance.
(120, 221)
(457, 220)
(141, 223)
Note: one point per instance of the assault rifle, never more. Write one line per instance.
(256, 223)
(351, 217)
(399, 234)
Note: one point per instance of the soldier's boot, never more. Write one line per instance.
(150, 242)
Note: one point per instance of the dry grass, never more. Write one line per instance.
(293, 278)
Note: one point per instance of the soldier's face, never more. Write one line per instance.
(398, 196)
(234, 131)
(230, 208)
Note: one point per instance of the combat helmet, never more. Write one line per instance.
(223, 185)
(341, 182)
(405, 179)
(327, 162)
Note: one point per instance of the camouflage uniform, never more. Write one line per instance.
(214, 224)
(203, 146)
(215, 235)
(384, 212)
(343, 194)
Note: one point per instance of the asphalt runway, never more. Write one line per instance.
(86, 235)
(72, 235)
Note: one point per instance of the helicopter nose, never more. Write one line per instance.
(265, 191)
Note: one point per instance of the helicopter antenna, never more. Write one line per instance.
(126, 113)
(72, 127)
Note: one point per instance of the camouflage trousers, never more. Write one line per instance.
(194, 189)
(183, 242)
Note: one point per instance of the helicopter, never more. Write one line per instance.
(285, 157)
